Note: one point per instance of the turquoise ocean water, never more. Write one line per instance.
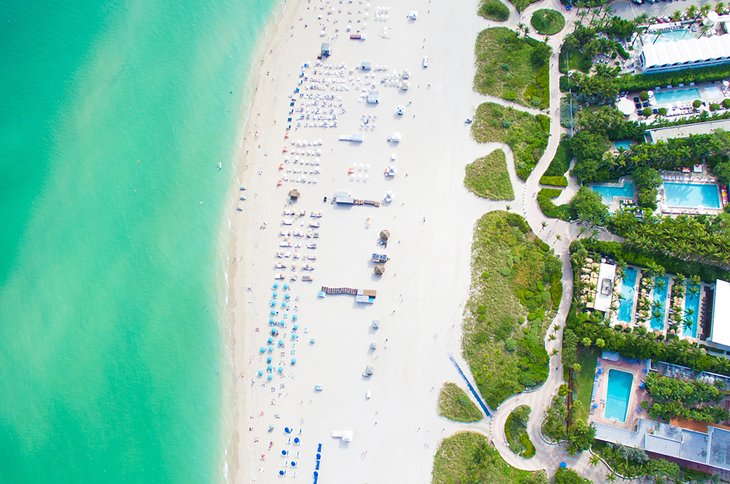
(113, 119)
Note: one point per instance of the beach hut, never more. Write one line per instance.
(385, 234)
(324, 50)
(379, 270)
(373, 97)
(294, 194)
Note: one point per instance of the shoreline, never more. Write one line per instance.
(419, 331)
(228, 240)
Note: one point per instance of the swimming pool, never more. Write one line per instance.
(628, 287)
(677, 96)
(661, 288)
(691, 301)
(609, 191)
(692, 195)
(623, 144)
(673, 35)
(618, 394)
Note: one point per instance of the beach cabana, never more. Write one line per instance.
(379, 270)
(294, 194)
(385, 234)
(324, 50)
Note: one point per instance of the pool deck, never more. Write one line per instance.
(600, 387)
(694, 178)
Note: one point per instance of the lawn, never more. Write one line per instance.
(512, 68)
(583, 382)
(494, 10)
(561, 162)
(515, 428)
(488, 177)
(574, 60)
(547, 21)
(525, 134)
(468, 457)
(515, 287)
(455, 404)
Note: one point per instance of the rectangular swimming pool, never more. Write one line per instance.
(659, 308)
(618, 394)
(691, 302)
(692, 195)
(673, 35)
(664, 98)
(609, 191)
(628, 288)
(623, 144)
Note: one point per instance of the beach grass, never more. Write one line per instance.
(547, 21)
(488, 178)
(520, 5)
(560, 164)
(455, 404)
(515, 287)
(525, 134)
(468, 457)
(512, 68)
(515, 429)
(494, 10)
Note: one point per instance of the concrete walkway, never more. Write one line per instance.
(558, 235)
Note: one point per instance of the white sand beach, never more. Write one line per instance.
(420, 298)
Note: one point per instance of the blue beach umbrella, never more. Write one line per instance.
(296, 440)
(269, 377)
(286, 296)
(270, 349)
(280, 370)
(269, 368)
(272, 303)
(270, 340)
(281, 473)
(294, 337)
(563, 465)
(284, 452)
(262, 350)
(271, 320)
(282, 323)
(274, 294)
(284, 304)
(275, 286)
(281, 343)
(319, 456)
(287, 430)
(294, 317)
(260, 373)
(286, 286)
(273, 331)
(268, 359)
(272, 313)
(293, 361)
(293, 463)
(296, 327)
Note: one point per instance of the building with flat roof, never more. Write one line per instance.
(604, 289)
(685, 54)
(683, 131)
(720, 328)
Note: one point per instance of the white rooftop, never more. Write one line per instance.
(686, 50)
(685, 130)
(603, 301)
(720, 332)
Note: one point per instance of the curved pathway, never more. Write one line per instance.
(558, 234)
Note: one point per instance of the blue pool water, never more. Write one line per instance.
(628, 287)
(692, 195)
(608, 192)
(691, 301)
(673, 35)
(679, 95)
(660, 296)
(617, 395)
(624, 144)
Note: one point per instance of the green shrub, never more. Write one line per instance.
(549, 209)
(561, 161)
(696, 103)
(526, 135)
(526, 77)
(644, 96)
(556, 181)
(564, 83)
(488, 177)
(639, 82)
(726, 103)
(547, 22)
(714, 107)
(646, 112)
(456, 405)
(515, 429)
(494, 10)
(663, 111)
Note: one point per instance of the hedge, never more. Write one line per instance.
(640, 82)
(545, 201)
(556, 181)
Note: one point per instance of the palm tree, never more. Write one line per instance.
(676, 16)
(594, 460)
(611, 477)
(661, 283)
(720, 8)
